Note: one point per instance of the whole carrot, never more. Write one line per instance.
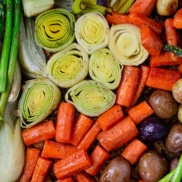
(39, 132)
(140, 111)
(90, 137)
(32, 155)
(41, 170)
(116, 18)
(128, 85)
(171, 35)
(144, 73)
(134, 151)
(64, 122)
(56, 150)
(110, 117)
(139, 20)
(162, 78)
(80, 128)
(177, 23)
(151, 41)
(98, 157)
(74, 163)
(144, 7)
(119, 134)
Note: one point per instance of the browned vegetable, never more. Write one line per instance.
(152, 166)
(174, 139)
(163, 104)
(118, 170)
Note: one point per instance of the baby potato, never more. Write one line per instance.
(166, 7)
(177, 91)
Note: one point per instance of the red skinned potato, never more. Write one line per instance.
(152, 166)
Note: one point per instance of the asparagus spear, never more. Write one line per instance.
(13, 55)
(4, 59)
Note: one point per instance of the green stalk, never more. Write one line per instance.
(12, 58)
(178, 173)
(2, 18)
(4, 59)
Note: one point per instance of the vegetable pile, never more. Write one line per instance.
(91, 91)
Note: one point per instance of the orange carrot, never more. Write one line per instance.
(177, 23)
(98, 157)
(90, 137)
(80, 128)
(180, 69)
(74, 163)
(41, 170)
(139, 20)
(151, 41)
(128, 85)
(161, 78)
(68, 179)
(144, 7)
(144, 73)
(110, 117)
(171, 35)
(164, 59)
(140, 111)
(56, 150)
(134, 150)
(39, 132)
(116, 18)
(64, 122)
(32, 155)
(119, 134)
(83, 177)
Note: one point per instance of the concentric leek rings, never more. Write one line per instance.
(40, 98)
(104, 68)
(126, 45)
(69, 66)
(54, 29)
(90, 97)
(92, 31)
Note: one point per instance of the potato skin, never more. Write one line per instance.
(152, 166)
(177, 91)
(163, 104)
(118, 170)
(166, 7)
(174, 139)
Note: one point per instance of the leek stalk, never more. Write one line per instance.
(125, 44)
(69, 66)
(39, 99)
(92, 31)
(31, 56)
(90, 97)
(4, 59)
(12, 58)
(33, 7)
(54, 29)
(105, 68)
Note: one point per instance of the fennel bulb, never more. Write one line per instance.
(12, 150)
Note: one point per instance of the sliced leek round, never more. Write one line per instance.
(39, 99)
(125, 44)
(69, 66)
(54, 29)
(104, 68)
(92, 31)
(90, 97)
